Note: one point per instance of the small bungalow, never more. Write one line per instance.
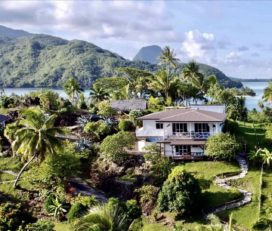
(129, 105)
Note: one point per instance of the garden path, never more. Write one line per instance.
(223, 182)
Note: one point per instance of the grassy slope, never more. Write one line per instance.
(205, 172)
(252, 134)
(266, 208)
(62, 226)
(214, 195)
(246, 216)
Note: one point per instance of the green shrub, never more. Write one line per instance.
(222, 146)
(134, 115)
(62, 165)
(12, 216)
(126, 125)
(263, 224)
(133, 211)
(77, 210)
(148, 197)
(160, 165)
(40, 225)
(105, 109)
(180, 193)
(113, 147)
(87, 201)
(97, 129)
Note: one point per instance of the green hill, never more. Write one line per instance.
(47, 61)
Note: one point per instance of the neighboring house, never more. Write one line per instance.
(180, 133)
(129, 105)
(3, 120)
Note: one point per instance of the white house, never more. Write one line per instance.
(181, 133)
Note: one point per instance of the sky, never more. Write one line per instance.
(234, 36)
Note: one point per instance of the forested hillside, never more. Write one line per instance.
(28, 60)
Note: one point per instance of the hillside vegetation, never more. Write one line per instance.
(28, 60)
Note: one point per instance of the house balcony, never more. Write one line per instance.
(191, 135)
(188, 156)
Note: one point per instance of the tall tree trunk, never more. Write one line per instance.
(22, 169)
(260, 191)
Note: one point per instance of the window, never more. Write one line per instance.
(183, 149)
(202, 127)
(159, 125)
(179, 127)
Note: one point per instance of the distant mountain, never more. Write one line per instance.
(251, 80)
(152, 53)
(149, 54)
(12, 33)
(45, 61)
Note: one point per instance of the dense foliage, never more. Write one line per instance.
(180, 193)
(222, 146)
(47, 61)
(114, 147)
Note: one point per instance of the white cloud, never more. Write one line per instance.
(129, 20)
(199, 45)
(233, 57)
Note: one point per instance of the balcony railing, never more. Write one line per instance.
(193, 135)
(189, 156)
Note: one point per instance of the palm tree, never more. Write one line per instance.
(168, 57)
(137, 80)
(103, 218)
(192, 74)
(72, 89)
(267, 96)
(164, 83)
(35, 137)
(98, 94)
(57, 208)
(266, 157)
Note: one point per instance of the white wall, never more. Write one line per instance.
(149, 129)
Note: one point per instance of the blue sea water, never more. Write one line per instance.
(251, 101)
(258, 87)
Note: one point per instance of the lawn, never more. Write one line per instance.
(205, 172)
(266, 206)
(62, 226)
(246, 216)
(253, 134)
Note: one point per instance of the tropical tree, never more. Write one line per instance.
(265, 156)
(72, 89)
(98, 94)
(267, 96)
(180, 193)
(168, 57)
(35, 137)
(164, 83)
(108, 217)
(137, 80)
(192, 74)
